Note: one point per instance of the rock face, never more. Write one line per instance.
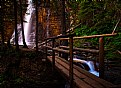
(50, 20)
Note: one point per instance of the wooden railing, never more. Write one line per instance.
(69, 50)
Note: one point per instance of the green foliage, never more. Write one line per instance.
(1, 78)
(83, 30)
(100, 18)
(104, 27)
(6, 83)
(18, 80)
(112, 47)
(78, 42)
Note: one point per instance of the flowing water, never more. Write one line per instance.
(28, 29)
(92, 68)
(47, 27)
(90, 64)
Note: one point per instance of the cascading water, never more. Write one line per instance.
(90, 64)
(27, 26)
(47, 27)
(92, 68)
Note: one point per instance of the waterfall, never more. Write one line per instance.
(92, 68)
(90, 64)
(27, 27)
(47, 27)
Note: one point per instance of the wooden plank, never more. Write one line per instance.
(77, 80)
(82, 78)
(65, 69)
(87, 80)
(106, 84)
(65, 72)
(80, 83)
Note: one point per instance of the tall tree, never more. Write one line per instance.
(22, 27)
(1, 22)
(36, 2)
(63, 18)
(64, 42)
(16, 31)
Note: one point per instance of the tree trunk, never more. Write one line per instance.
(63, 18)
(22, 27)
(16, 31)
(1, 24)
(8, 43)
(36, 25)
(64, 42)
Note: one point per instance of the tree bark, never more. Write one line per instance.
(36, 25)
(63, 18)
(22, 26)
(64, 42)
(1, 23)
(16, 31)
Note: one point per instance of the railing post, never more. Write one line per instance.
(71, 61)
(59, 45)
(101, 57)
(53, 54)
(46, 50)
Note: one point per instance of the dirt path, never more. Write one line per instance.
(31, 73)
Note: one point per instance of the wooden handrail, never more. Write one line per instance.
(92, 36)
(49, 47)
(81, 49)
(119, 52)
(45, 42)
(60, 36)
(57, 49)
(61, 50)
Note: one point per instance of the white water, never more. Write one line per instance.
(27, 26)
(90, 64)
(92, 68)
(47, 27)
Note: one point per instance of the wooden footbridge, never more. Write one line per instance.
(76, 76)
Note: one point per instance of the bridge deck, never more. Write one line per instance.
(82, 78)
